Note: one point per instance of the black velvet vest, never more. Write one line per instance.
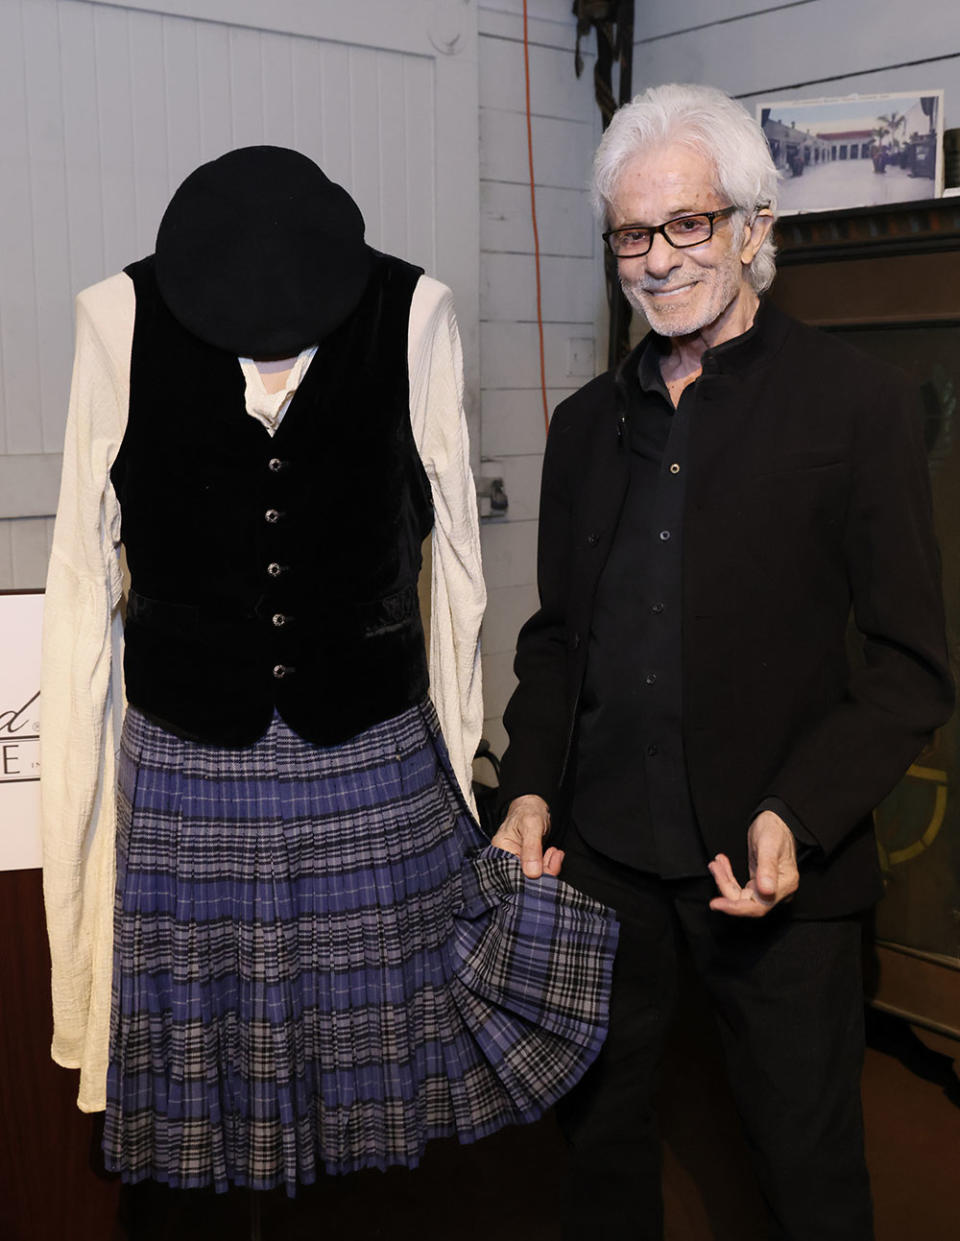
(273, 572)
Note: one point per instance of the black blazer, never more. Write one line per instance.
(807, 493)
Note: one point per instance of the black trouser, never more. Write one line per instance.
(789, 999)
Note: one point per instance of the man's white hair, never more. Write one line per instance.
(719, 128)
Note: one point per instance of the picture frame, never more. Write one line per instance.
(855, 150)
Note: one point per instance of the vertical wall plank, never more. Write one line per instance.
(81, 142)
(216, 105)
(276, 62)
(7, 579)
(18, 346)
(418, 106)
(49, 225)
(305, 71)
(151, 162)
(182, 92)
(336, 114)
(115, 107)
(364, 182)
(394, 206)
(29, 552)
(246, 88)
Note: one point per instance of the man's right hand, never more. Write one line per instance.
(522, 833)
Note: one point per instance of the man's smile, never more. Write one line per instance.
(669, 292)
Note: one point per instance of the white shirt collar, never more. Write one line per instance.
(269, 407)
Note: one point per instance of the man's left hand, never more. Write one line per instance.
(772, 851)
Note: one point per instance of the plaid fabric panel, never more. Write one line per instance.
(317, 967)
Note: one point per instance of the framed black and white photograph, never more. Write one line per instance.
(856, 151)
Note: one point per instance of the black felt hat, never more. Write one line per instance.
(261, 254)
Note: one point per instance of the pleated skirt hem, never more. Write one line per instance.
(320, 966)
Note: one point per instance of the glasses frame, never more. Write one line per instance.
(712, 216)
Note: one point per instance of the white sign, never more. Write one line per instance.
(20, 623)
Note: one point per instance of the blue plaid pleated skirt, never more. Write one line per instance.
(320, 966)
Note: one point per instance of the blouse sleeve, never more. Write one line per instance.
(82, 693)
(458, 595)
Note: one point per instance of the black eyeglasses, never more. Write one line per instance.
(634, 240)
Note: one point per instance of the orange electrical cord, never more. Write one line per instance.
(533, 214)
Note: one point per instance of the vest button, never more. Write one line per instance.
(279, 619)
(274, 569)
(272, 515)
(276, 465)
(280, 671)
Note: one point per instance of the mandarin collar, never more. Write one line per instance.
(760, 341)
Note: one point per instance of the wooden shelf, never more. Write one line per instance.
(865, 232)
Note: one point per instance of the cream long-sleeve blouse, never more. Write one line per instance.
(82, 679)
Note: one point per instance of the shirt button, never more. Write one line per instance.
(272, 515)
(674, 468)
(664, 536)
(650, 678)
(280, 671)
(279, 620)
(276, 465)
(657, 608)
(593, 539)
(653, 750)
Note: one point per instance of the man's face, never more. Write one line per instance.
(679, 291)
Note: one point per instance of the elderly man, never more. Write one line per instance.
(686, 717)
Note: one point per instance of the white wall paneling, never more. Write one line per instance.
(496, 734)
(563, 217)
(521, 478)
(512, 420)
(499, 681)
(507, 609)
(806, 49)
(509, 549)
(107, 106)
(27, 480)
(556, 12)
(565, 125)
(557, 92)
(509, 355)
(24, 544)
(563, 149)
(508, 287)
(656, 19)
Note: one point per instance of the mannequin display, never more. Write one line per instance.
(280, 944)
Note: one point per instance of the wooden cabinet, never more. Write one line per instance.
(888, 280)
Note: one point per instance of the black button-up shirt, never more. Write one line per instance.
(632, 800)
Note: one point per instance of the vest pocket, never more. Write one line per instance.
(181, 620)
(388, 614)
